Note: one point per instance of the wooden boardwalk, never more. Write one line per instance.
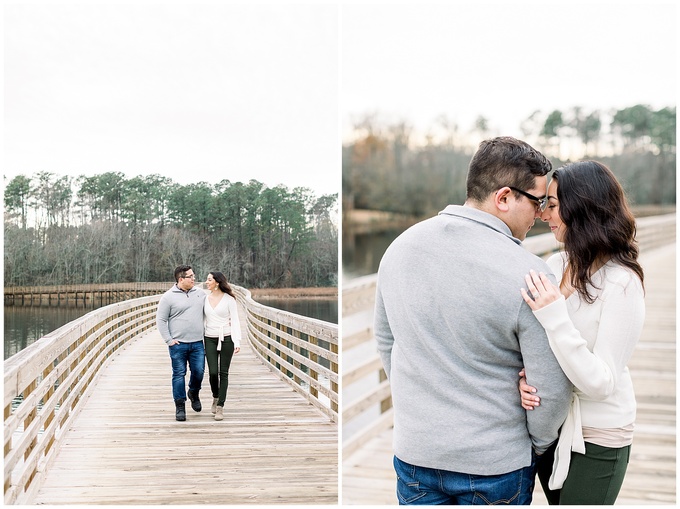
(368, 477)
(125, 446)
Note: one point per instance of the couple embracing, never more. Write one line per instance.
(196, 325)
(462, 310)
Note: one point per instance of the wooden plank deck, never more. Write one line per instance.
(126, 447)
(368, 477)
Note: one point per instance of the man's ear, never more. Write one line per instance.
(501, 199)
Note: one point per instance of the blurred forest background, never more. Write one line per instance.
(111, 229)
(388, 167)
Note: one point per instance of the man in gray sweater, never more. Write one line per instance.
(180, 321)
(453, 332)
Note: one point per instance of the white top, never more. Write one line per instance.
(222, 320)
(593, 344)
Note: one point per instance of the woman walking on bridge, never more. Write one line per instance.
(222, 337)
(593, 321)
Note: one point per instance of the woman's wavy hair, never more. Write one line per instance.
(221, 280)
(599, 222)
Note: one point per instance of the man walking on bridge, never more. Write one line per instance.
(453, 333)
(180, 321)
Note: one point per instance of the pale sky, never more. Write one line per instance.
(226, 90)
(416, 62)
(195, 91)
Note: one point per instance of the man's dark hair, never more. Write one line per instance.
(504, 161)
(181, 271)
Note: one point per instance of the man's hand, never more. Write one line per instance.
(173, 342)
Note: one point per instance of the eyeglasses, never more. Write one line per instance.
(191, 276)
(540, 202)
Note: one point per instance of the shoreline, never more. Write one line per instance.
(294, 293)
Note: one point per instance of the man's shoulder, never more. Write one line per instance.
(534, 261)
(414, 235)
(171, 294)
(416, 230)
(517, 260)
(170, 290)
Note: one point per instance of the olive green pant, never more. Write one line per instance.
(594, 478)
(218, 366)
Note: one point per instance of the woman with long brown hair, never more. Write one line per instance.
(222, 336)
(593, 320)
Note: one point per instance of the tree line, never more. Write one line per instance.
(108, 228)
(387, 167)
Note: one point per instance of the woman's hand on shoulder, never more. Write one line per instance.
(527, 393)
(542, 290)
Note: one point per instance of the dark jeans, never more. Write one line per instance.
(181, 354)
(219, 379)
(594, 478)
(429, 486)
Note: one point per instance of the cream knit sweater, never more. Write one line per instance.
(593, 344)
(223, 320)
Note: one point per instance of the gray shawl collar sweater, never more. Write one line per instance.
(453, 332)
(180, 315)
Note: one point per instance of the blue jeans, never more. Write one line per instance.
(430, 486)
(180, 354)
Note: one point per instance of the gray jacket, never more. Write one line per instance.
(180, 315)
(453, 332)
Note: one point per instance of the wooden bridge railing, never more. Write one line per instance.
(372, 407)
(302, 351)
(45, 384)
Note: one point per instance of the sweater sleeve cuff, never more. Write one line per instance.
(552, 315)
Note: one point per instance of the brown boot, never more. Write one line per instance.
(218, 413)
(213, 409)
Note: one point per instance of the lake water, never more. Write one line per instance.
(23, 325)
(321, 309)
(361, 252)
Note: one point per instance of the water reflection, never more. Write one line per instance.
(321, 309)
(362, 251)
(26, 324)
